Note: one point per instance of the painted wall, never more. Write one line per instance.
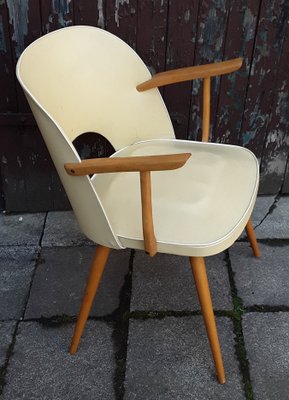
(249, 108)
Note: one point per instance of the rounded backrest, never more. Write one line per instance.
(83, 79)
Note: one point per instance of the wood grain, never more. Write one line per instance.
(150, 243)
(127, 164)
(190, 73)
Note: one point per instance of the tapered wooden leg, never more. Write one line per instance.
(252, 238)
(97, 267)
(202, 285)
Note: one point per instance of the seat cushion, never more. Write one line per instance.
(198, 210)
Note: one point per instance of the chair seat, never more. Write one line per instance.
(198, 210)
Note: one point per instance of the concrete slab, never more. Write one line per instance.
(276, 224)
(6, 335)
(21, 229)
(170, 359)
(166, 282)
(267, 342)
(61, 229)
(261, 208)
(42, 368)
(264, 280)
(16, 269)
(59, 282)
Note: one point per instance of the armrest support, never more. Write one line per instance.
(190, 73)
(142, 164)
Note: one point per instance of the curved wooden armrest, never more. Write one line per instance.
(142, 164)
(190, 73)
(127, 164)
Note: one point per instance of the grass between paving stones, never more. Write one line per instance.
(120, 319)
(236, 315)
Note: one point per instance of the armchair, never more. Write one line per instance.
(155, 193)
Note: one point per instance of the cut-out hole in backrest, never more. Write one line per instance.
(93, 145)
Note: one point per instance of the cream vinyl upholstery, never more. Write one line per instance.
(195, 210)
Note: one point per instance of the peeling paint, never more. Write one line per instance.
(19, 162)
(249, 24)
(211, 35)
(275, 166)
(18, 17)
(100, 22)
(187, 16)
(283, 107)
(60, 9)
(118, 3)
(2, 37)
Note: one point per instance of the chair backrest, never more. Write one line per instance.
(83, 79)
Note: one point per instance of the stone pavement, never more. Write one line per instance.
(145, 338)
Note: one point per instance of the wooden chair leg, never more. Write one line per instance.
(202, 285)
(97, 267)
(252, 238)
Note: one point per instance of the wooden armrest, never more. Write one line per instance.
(142, 164)
(127, 164)
(190, 73)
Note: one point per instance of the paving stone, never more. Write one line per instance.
(21, 229)
(170, 358)
(16, 269)
(59, 282)
(166, 282)
(261, 208)
(41, 367)
(264, 280)
(276, 224)
(267, 342)
(6, 334)
(61, 229)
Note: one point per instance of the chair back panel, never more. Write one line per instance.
(85, 202)
(83, 79)
(86, 79)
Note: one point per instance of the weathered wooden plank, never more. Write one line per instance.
(2, 196)
(263, 74)
(60, 199)
(212, 22)
(13, 174)
(56, 14)
(8, 101)
(182, 27)
(87, 12)
(151, 38)
(242, 23)
(24, 19)
(93, 145)
(121, 20)
(16, 119)
(275, 151)
(36, 163)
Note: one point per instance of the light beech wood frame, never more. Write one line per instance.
(96, 271)
(203, 290)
